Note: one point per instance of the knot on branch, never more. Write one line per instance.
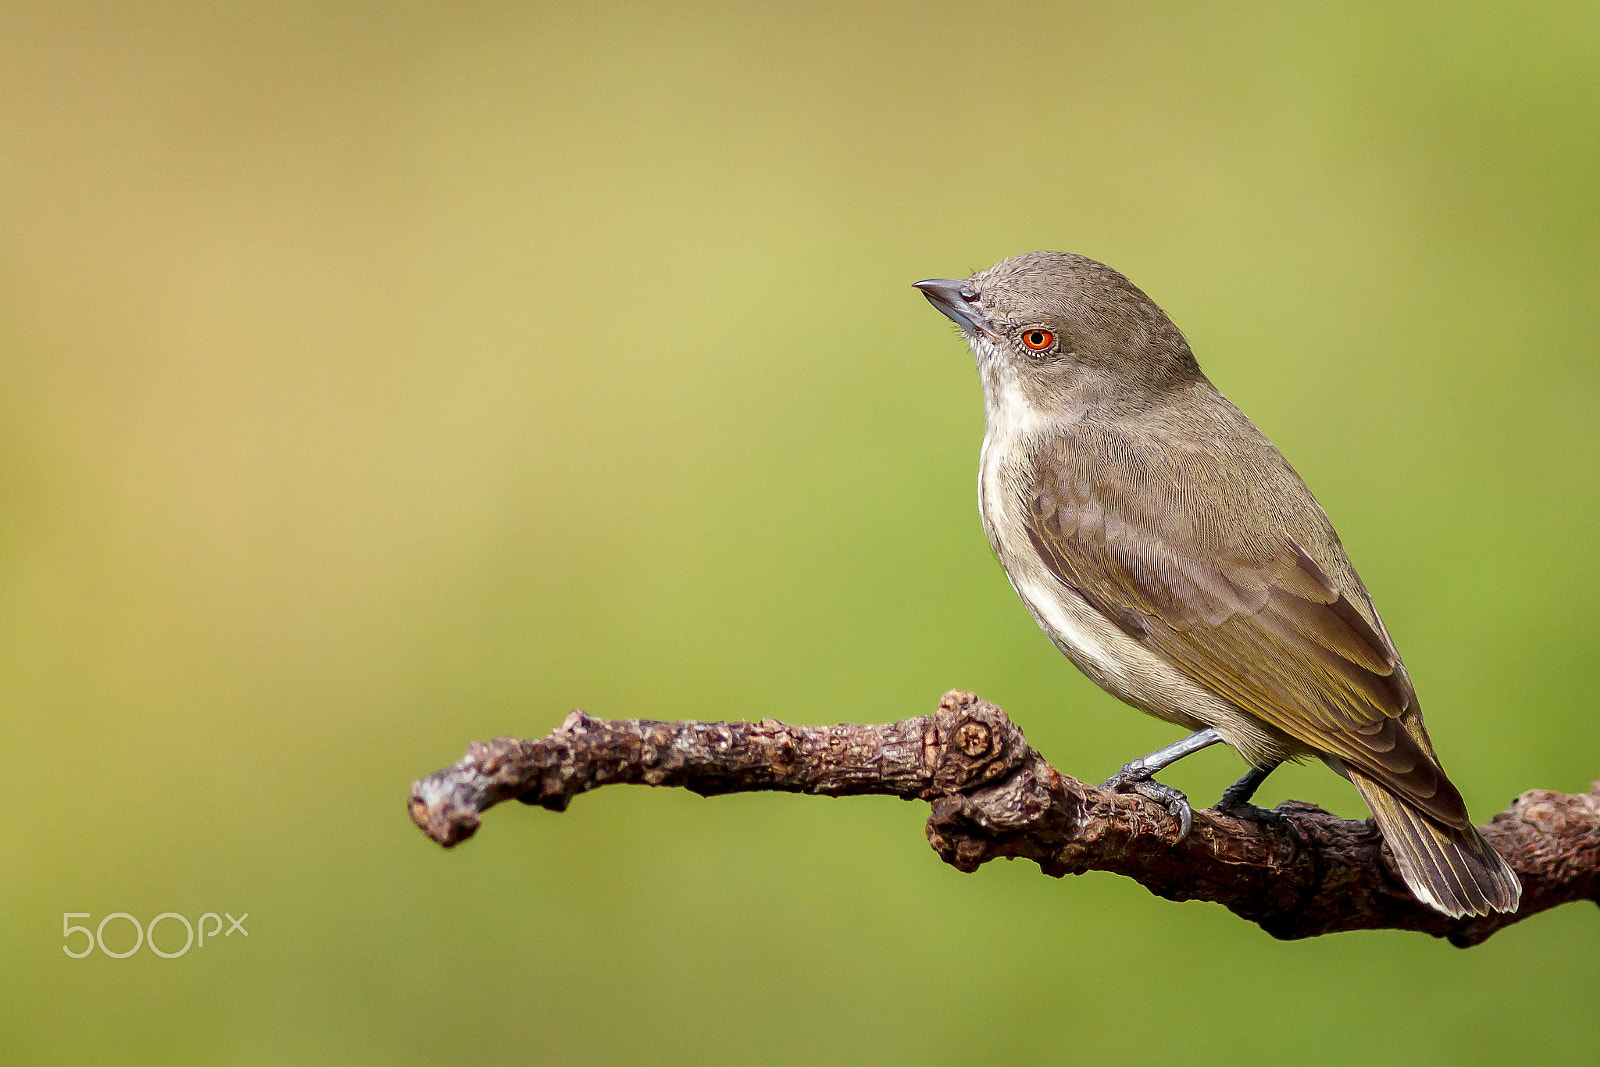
(981, 790)
(970, 744)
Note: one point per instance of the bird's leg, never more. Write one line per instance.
(1237, 796)
(1135, 776)
(1240, 792)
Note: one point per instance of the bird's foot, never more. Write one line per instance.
(1243, 809)
(1135, 777)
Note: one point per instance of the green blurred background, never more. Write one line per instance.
(386, 376)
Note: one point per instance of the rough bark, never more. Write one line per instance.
(1298, 872)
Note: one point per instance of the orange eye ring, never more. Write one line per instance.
(1037, 338)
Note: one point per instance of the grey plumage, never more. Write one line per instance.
(1172, 553)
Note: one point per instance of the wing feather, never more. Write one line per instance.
(1246, 594)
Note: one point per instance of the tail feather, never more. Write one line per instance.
(1453, 871)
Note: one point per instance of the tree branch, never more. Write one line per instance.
(1298, 874)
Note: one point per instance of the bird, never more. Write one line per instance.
(1168, 549)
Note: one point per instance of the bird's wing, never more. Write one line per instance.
(1261, 608)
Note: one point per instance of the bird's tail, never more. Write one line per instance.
(1453, 871)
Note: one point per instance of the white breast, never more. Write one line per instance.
(1087, 638)
(1081, 632)
(1072, 622)
(1105, 653)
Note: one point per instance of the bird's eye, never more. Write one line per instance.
(1037, 339)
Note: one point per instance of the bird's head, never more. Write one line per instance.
(1058, 329)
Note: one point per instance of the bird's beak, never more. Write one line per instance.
(954, 298)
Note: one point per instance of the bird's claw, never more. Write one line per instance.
(1134, 778)
(1243, 809)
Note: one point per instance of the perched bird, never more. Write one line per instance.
(1174, 556)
